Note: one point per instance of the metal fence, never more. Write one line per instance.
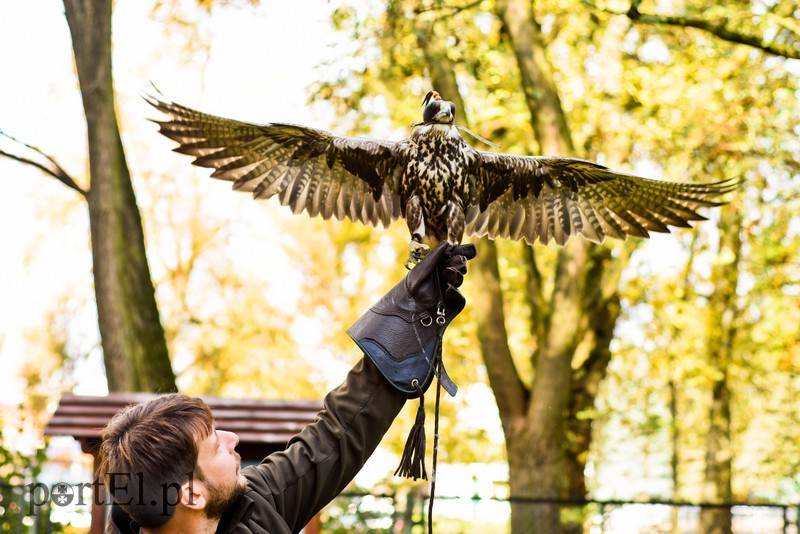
(365, 512)
(23, 512)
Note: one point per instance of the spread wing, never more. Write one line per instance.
(528, 197)
(307, 169)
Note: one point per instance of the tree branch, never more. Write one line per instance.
(718, 27)
(510, 392)
(454, 10)
(55, 170)
(536, 302)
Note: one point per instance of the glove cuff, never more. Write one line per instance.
(401, 374)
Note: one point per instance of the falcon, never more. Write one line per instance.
(442, 186)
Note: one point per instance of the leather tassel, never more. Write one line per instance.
(412, 463)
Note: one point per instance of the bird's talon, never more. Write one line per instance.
(417, 253)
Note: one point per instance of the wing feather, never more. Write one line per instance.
(307, 169)
(331, 203)
(516, 222)
(608, 222)
(553, 198)
(591, 228)
(549, 219)
(271, 183)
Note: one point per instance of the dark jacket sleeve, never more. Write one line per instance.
(325, 456)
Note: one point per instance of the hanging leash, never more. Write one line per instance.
(439, 368)
(412, 462)
(442, 381)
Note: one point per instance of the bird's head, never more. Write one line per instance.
(437, 111)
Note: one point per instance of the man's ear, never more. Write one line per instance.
(191, 497)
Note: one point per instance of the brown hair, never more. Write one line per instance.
(151, 448)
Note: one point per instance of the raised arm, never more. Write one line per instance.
(400, 336)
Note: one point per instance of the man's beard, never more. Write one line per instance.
(221, 497)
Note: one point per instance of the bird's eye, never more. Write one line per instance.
(452, 109)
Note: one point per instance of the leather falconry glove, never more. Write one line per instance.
(402, 332)
(402, 335)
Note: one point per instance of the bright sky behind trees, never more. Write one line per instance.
(258, 64)
(258, 68)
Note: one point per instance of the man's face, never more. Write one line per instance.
(219, 465)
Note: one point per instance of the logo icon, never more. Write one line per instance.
(62, 494)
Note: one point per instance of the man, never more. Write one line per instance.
(168, 469)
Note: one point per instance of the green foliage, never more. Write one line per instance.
(669, 313)
(358, 514)
(681, 104)
(17, 470)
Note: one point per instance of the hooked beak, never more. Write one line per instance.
(444, 115)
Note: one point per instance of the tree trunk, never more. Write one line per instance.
(590, 361)
(675, 459)
(721, 333)
(548, 121)
(134, 347)
(556, 469)
(537, 459)
(544, 465)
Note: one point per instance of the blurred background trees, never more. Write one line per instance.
(675, 357)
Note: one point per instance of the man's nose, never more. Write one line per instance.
(231, 439)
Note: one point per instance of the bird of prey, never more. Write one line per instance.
(442, 186)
